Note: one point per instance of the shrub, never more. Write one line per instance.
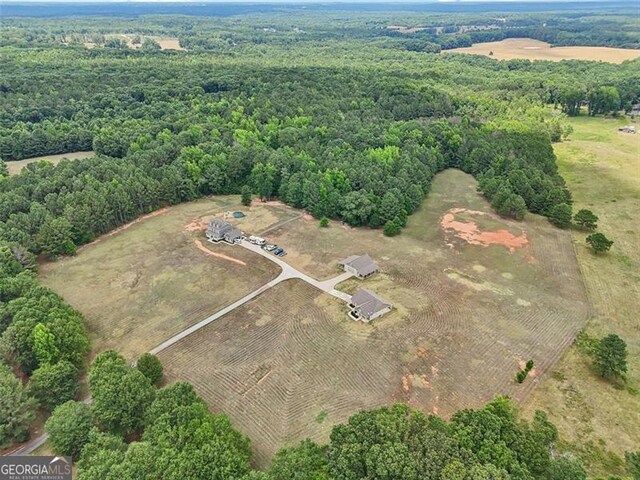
(324, 222)
(599, 243)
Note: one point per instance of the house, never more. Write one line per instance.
(221, 230)
(366, 305)
(361, 266)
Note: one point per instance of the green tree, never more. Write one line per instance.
(56, 238)
(611, 357)
(44, 345)
(391, 228)
(52, 385)
(246, 195)
(17, 408)
(566, 469)
(599, 243)
(306, 461)
(604, 100)
(560, 215)
(150, 367)
(586, 219)
(262, 179)
(68, 428)
(120, 394)
(324, 222)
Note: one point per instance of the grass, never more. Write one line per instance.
(143, 284)
(466, 317)
(16, 166)
(536, 50)
(602, 169)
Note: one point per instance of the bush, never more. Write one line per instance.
(391, 228)
(611, 357)
(151, 368)
(69, 427)
(324, 222)
(520, 376)
(529, 365)
(52, 385)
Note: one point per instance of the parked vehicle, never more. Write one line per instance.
(269, 247)
(257, 240)
(278, 251)
(282, 253)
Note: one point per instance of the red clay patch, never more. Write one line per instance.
(471, 233)
(196, 226)
(204, 249)
(421, 352)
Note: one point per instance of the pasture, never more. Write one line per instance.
(531, 49)
(475, 297)
(15, 166)
(602, 169)
(147, 281)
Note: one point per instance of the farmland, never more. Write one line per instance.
(17, 165)
(600, 165)
(537, 50)
(475, 297)
(142, 284)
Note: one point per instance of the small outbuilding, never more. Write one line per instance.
(627, 129)
(361, 266)
(220, 230)
(366, 305)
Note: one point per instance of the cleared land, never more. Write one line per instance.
(148, 281)
(16, 166)
(166, 43)
(537, 50)
(602, 169)
(475, 297)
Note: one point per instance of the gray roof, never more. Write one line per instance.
(221, 228)
(368, 302)
(363, 264)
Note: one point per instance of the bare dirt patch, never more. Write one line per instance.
(15, 166)
(206, 251)
(536, 50)
(471, 233)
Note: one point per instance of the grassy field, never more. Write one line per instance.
(141, 285)
(470, 309)
(17, 165)
(602, 169)
(537, 50)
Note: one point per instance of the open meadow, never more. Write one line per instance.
(146, 282)
(536, 50)
(475, 297)
(15, 166)
(602, 169)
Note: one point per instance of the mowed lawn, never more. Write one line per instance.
(602, 169)
(472, 305)
(531, 49)
(142, 285)
(15, 166)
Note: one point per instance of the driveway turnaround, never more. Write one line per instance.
(288, 272)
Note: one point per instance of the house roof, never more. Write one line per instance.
(223, 228)
(368, 302)
(363, 264)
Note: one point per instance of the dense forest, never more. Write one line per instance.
(346, 119)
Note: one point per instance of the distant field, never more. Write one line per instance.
(537, 50)
(602, 169)
(143, 284)
(475, 297)
(17, 165)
